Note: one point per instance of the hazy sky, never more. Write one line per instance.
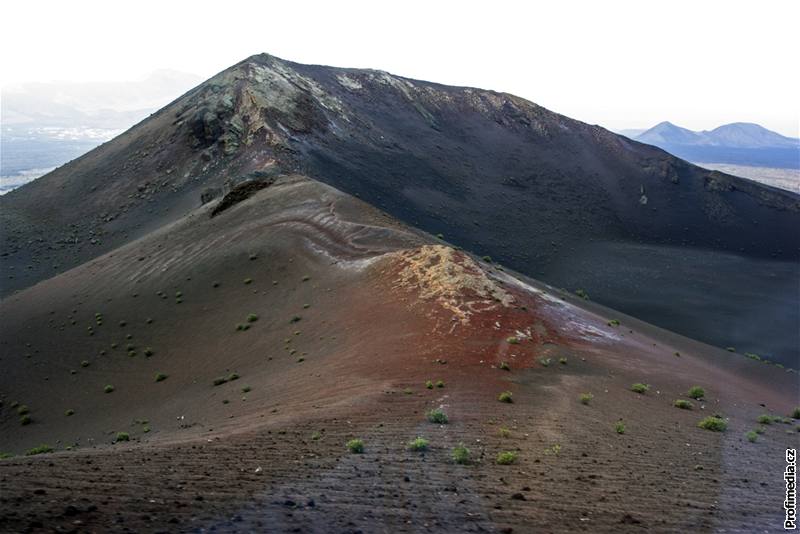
(621, 64)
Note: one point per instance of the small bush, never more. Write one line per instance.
(619, 427)
(751, 436)
(512, 340)
(545, 362)
(25, 420)
(316, 435)
(108, 389)
(252, 318)
(69, 412)
(761, 430)
(160, 377)
(730, 349)
(764, 419)
(796, 413)
(233, 376)
(504, 366)
(85, 363)
(220, 380)
(582, 294)
(41, 449)
(418, 444)
(148, 352)
(562, 361)
(440, 383)
(504, 432)
(640, 388)
(683, 404)
(296, 319)
(123, 436)
(713, 423)
(429, 384)
(355, 446)
(506, 458)
(248, 280)
(5, 455)
(241, 327)
(22, 410)
(586, 398)
(437, 416)
(613, 322)
(696, 392)
(247, 389)
(506, 396)
(461, 454)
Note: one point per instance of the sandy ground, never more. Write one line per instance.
(355, 313)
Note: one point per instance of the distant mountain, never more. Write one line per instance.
(738, 143)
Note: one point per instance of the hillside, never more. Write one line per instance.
(207, 376)
(500, 176)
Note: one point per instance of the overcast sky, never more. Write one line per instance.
(621, 64)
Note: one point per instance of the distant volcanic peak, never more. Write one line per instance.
(449, 277)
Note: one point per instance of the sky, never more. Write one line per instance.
(621, 64)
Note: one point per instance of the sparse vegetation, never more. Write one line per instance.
(730, 349)
(683, 404)
(506, 458)
(764, 419)
(796, 413)
(22, 410)
(751, 436)
(504, 366)
(418, 444)
(241, 327)
(440, 383)
(25, 420)
(504, 432)
(429, 384)
(696, 392)
(619, 427)
(461, 454)
(437, 416)
(506, 396)
(512, 340)
(148, 352)
(582, 294)
(41, 449)
(69, 412)
(248, 281)
(252, 318)
(714, 423)
(85, 363)
(247, 389)
(586, 398)
(316, 435)
(108, 389)
(554, 450)
(296, 319)
(160, 377)
(123, 436)
(355, 446)
(613, 322)
(545, 362)
(562, 361)
(640, 388)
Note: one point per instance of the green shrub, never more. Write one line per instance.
(554, 450)
(248, 280)
(730, 349)
(751, 436)
(683, 404)
(85, 363)
(247, 389)
(69, 412)
(440, 383)
(504, 366)
(123, 436)
(586, 398)
(429, 384)
(640, 388)
(505, 396)
(461, 454)
(355, 446)
(296, 319)
(241, 327)
(316, 435)
(233, 376)
(418, 444)
(619, 427)
(613, 322)
(5, 455)
(696, 392)
(220, 380)
(512, 340)
(545, 361)
(582, 294)
(108, 389)
(796, 413)
(506, 458)
(252, 318)
(437, 416)
(41, 449)
(504, 432)
(761, 430)
(764, 419)
(22, 410)
(562, 361)
(713, 423)
(25, 420)
(160, 377)
(148, 352)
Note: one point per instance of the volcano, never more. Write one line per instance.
(241, 313)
